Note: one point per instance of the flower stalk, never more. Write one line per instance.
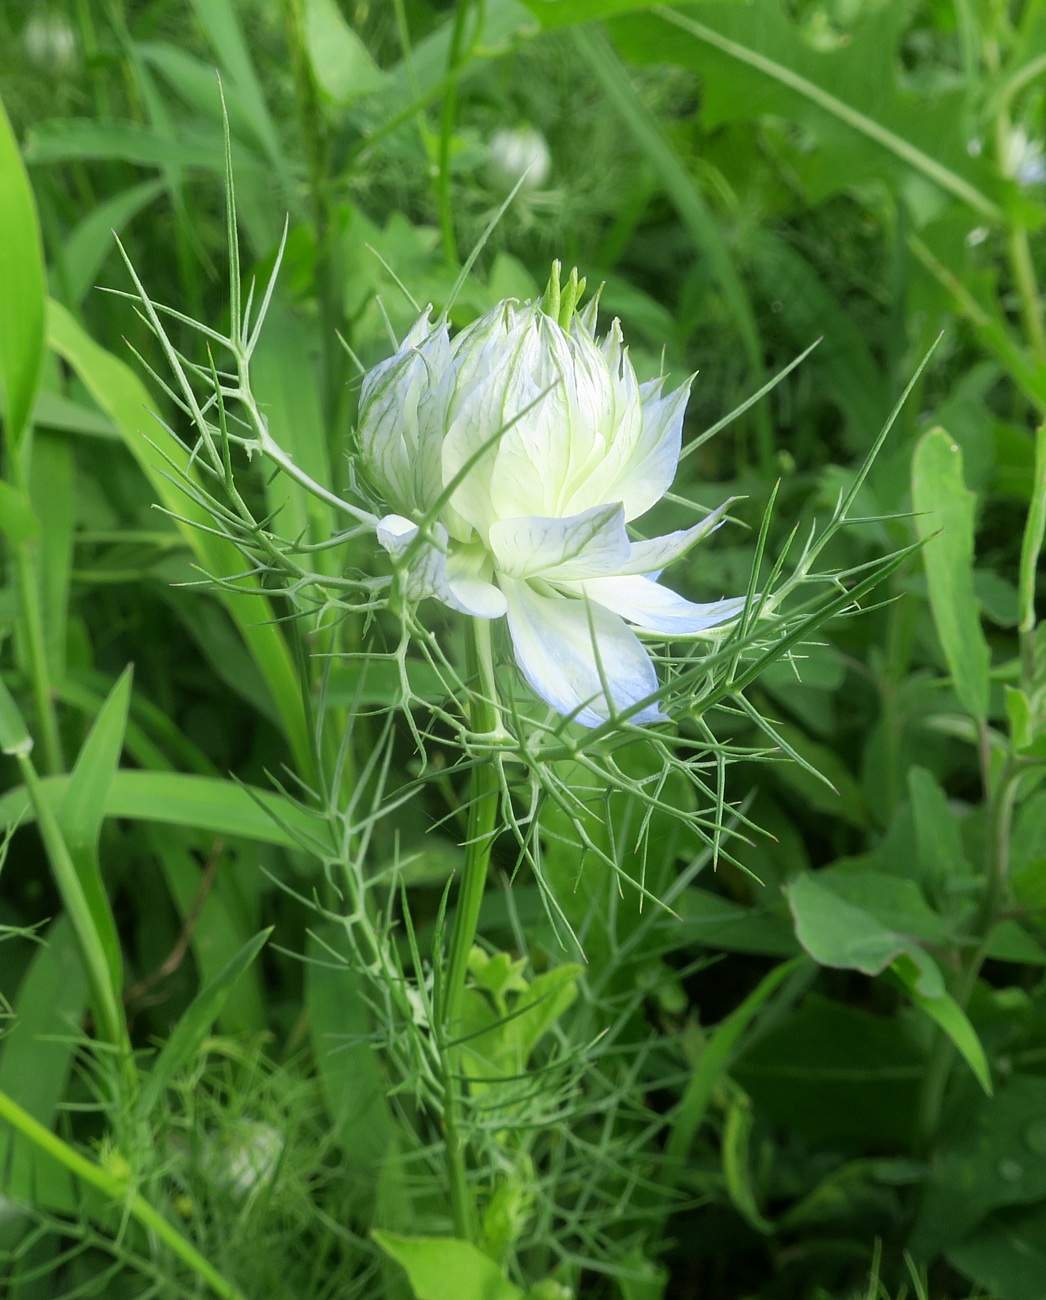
(483, 811)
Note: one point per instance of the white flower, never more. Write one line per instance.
(1023, 158)
(523, 447)
(50, 42)
(519, 155)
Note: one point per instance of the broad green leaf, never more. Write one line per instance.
(942, 860)
(499, 1045)
(18, 523)
(444, 1268)
(16, 740)
(994, 1159)
(220, 925)
(808, 310)
(91, 240)
(53, 411)
(1006, 1255)
(340, 1031)
(715, 922)
(715, 1057)
(220, 23)
(832, 1073)
(24, 288)
(837, 933)
(60, 140)
(564, 13)
(644, 1279)
(945, 507)
(82, 811)
(38, 1046)
(685, 195)
(194, 1025)
(342, 63)
(122, 396)
(283, 371)
(51, 490)
(895, 901)
(95, 945)
(197, 84)
(754, 61)
(947, 1013)
(206, 803)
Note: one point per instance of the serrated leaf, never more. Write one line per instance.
(754, 61)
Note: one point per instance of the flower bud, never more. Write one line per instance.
(519, 155)
(49, 41)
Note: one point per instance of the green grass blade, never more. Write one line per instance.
(689, 203)
(205, 803)
(194, 1025)
(24, 288)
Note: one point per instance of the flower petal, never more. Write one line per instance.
(401, 449)
(654, 608)
(556, 642)
(452, 579)
(583, 546)
(657, 553)
(642, 454)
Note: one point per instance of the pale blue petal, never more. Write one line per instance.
(556, 642)
(657, 553)
(454, 582)
(583, 546)
(654, 608)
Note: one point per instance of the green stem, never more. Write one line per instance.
(39, 674)
(118, 1190)
(446, 131)
(110, 1021)
(483, 810)
(938, 1073)
(1022, 268)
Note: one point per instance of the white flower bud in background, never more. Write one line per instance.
(523, 447)
(1024, 158)
(245, 1161)
(518, 155)
(50, 43)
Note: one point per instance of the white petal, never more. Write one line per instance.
(556, 641)
(642, 451)
(467, 571)
(657, 553)
(654, 608)
(455, 582)
(396, 533)
(583, 546)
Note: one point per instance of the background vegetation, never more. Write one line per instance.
(823, 1073)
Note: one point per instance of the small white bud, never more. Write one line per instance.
(50, 43)
(518, 154)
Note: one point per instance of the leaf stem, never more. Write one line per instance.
(483, 808)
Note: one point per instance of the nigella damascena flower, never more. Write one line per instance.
(524, 446)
